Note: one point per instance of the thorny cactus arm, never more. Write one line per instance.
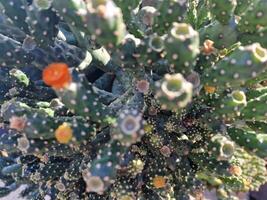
(132, 99)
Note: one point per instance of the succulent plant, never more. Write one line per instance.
(132, 99)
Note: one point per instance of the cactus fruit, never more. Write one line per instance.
(132, 99)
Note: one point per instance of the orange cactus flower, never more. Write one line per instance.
(208, 48)
(64, 133)
(235, 170)
(209, 89)
(159, 182)
(57, 75)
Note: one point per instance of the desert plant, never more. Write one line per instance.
(132, 99)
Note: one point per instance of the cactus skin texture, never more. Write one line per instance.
(132, 99)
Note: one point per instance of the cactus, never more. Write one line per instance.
(132, 99)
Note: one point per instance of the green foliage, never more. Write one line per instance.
(132, 99)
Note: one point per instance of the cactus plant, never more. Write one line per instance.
(132, 99)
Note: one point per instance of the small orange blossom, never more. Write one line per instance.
(57, 75)
(64, 133)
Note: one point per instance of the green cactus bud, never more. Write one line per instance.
(249, 139)
(182, 47)
(129, 127)
(173, 92)
(150, 50)
(43, 4)
(221, 147)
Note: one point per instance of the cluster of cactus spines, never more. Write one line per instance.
(132, 99)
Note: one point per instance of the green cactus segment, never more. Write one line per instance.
(168, 11)
(259, 36)
(104, 168)
(254, 17)
(223, 35)
(108, 21)
(182, 47)
(254, 93)
(53, 169)
(145, 18)
(132, 99)
(14, 10)
(234, 70)
(255, 109)
(69, 11)
(128, 8)
(173, 92)
(253, 170)
(242, 6)
(73, 172)
(81, 98)
(124, 188)
(43, 25)
(12, 169)
(251, 140)
(12, 53)
(17, 112)
(15, 143)
(232, 105)
(222, 10)
(257, 126)
(12, 32)
(245, 172)
(108, 27)
(4, 191)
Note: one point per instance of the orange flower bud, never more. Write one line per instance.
(63, 133)
(208, 48)
(209, 89)
(159, 182)
(57, 75)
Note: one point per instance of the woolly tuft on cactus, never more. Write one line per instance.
(132, 99)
